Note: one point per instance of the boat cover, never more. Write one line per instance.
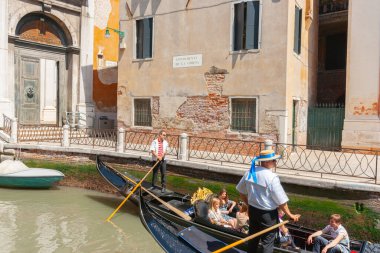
(203, 242)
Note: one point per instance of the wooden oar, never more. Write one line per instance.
(170, 207)
(250, 237)
(132, 191)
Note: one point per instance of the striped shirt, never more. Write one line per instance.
(160, 148)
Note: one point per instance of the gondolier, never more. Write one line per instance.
(159, 148)
(261, 189)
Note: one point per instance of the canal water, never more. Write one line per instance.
(65, 219)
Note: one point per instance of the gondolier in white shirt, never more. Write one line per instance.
(261, 189)
(159, 148)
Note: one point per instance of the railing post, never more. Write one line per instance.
(377, 168)
(120, 140)
(65, 136)
(183, 147)
(268, 144)
(14, 129)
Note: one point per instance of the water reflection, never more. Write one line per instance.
(8, 226)
(69, 220)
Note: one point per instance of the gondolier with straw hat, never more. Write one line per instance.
(261, 189)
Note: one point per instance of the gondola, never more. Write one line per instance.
(173, 237)
(124, 182)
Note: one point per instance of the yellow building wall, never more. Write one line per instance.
(105, 55)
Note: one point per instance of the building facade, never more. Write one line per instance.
(47, 59)
(232, 69)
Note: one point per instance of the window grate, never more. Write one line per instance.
(243, 114)
(143, 114)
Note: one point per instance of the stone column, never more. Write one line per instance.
(85, 103)
(120, 140)
(65, 136)
(183, 147)
(14, 129)
(362, 112)
(268, 144)
(5, 103)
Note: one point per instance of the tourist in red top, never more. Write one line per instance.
(159, 148)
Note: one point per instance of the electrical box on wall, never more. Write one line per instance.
(105, 123)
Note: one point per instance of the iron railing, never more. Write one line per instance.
(141, 141)
(329, 6)
(7, 124)
(223, 150)
(304, 160)
(93, 137)
(356, 163)
(42, 133)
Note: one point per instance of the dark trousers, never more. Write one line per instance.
(162, 166)
(258, 221)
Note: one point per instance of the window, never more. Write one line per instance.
(243, 117)
(144, 38)
(297, 30)
(246, 25)
(143, 115)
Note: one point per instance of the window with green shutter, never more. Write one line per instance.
(243, 114)
(246, 25)
(297, 30)
(144, 38)
(142, 112)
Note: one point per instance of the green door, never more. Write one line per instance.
(325, 126)
(29, 93)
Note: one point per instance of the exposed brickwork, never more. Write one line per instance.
(366, 109)
(214, 83)
(205, 113)
(40, 31)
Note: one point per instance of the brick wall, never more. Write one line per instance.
(40, 31)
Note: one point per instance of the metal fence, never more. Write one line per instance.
(304, 160)
(7, 123)
(93, 137)
(141, 141)
(39, 133)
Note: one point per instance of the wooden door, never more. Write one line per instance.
(29, 93)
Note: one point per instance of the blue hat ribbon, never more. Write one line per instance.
(252, 171)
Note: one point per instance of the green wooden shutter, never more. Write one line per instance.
(238, 26)
(147, 44)
(297, 30)
(139, 39)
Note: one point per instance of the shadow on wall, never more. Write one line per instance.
(144, 5)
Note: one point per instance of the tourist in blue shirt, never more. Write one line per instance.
(261, 189)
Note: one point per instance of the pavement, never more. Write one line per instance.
(291, 176)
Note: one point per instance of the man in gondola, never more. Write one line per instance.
(262, 191)
(159, 148)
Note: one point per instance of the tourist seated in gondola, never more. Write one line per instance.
(216, 217)
(226, 205)
(339, 241)
(285, 238)
(242, 218)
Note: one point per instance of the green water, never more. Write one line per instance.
(69, 220)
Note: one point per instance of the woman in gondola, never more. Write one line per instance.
(226, 205)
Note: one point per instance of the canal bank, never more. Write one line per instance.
(313, 203)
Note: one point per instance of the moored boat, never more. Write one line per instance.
(15, 174)
(123, 182)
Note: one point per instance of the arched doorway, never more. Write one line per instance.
(41, 53)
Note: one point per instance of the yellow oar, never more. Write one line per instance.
(170, 207)
(132, 191)
(250, 237)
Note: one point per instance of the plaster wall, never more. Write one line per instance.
(362, 121)
(301, 70)
(205, 28)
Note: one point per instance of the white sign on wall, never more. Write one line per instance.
(185, 61)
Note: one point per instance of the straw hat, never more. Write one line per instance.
(267, 155)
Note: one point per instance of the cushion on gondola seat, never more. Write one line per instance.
(201, 209)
